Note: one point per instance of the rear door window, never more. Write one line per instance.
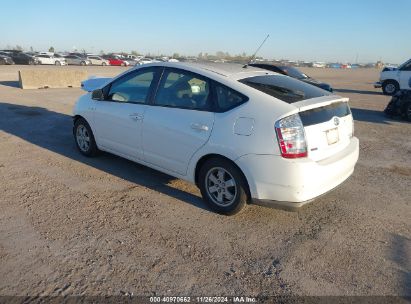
(183, 89)
(285, 88)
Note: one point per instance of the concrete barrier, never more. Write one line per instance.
(50, 78)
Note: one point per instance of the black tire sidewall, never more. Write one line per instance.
(397, 87)
(242, 196)
(407, 113)
(92, 151)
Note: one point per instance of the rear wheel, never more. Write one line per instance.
(390, 87)
(123, 64)
(408, 111)
(223, 186)
(104, 64)
(57, 63)
(83, 63)
(84, 138)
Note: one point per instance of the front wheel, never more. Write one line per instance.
(390, 87)
(82, 63)
(104, 64)
(57, 63)
(223, 186)
(84, 138)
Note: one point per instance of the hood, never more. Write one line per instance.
(94, 83)
(389, 68)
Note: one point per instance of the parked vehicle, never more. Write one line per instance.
(115, 61)
(240, 135)
(146, 61)
(97, 60)
(293, 72)
(23, 58)
(77, 60)
(319, 65)
(57, 55)
(400, 105)
(49, 59)
(5, 60)
(393, 79)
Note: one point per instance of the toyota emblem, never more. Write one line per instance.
(336, 121)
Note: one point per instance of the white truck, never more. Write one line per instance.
(394, 79)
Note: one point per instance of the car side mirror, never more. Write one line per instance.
(97, 94)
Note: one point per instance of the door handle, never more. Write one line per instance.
(199, 127)
(136, 116)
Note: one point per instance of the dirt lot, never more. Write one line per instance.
(71, 225)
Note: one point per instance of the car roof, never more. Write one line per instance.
(219, 70)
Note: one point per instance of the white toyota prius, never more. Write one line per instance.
(241, 134)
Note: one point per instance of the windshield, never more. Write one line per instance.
(285, 88)
(404, 64)
(293, 72)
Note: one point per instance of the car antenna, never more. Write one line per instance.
(252, 57)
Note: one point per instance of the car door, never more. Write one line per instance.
(49, 59)
(44, 59)
(179, 122)
(69, 59)
(405, 76)
(95, 60)
(118, 118)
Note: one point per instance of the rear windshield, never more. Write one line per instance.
(285, 88)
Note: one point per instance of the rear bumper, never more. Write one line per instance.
(290, 184)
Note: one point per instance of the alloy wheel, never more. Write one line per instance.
(221, 186)
(83, 138)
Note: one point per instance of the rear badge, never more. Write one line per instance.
(336, 121)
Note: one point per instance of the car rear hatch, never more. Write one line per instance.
(326, 118)
(328, 125)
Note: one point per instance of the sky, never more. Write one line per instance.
(311, 30)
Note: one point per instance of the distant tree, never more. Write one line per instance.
(200, 55)
(51, 49)
(219, 54)
(31, 49)
(101, 52)
(18, 48)
(135, 53)
(176, 55)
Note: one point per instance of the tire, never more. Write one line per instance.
(123, 64)
(104, 64)
(84, 138)
(82, 63)
(223, 186)
(390, 87)
(57, 63)
(407, 111)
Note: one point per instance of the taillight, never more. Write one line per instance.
(291, 137)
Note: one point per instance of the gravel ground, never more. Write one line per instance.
(71, 225)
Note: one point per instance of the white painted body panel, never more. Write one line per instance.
(164, 139)
(403, 77)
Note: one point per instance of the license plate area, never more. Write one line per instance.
(332, 136)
